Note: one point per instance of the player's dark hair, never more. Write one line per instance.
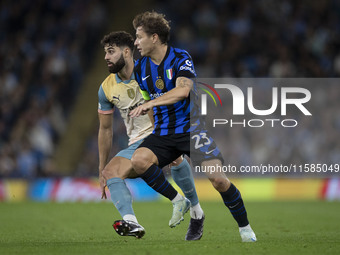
(119, 38)
(153, 23)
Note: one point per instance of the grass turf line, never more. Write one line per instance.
(85, 228)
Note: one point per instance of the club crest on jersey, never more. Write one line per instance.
(159, 83)
(131, 93)
(169, 73)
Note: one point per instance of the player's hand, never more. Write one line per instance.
(141, 110)
(103, 193)
(102, 183)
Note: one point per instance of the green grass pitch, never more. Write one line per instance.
(85, 228)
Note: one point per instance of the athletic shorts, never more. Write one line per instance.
(128, 152)
(199, 146)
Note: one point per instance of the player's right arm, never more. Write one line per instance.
(105, 135)
(181, 91)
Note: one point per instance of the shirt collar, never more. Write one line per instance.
(119, 80)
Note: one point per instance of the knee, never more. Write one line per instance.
(139, 163)
(220, 184)
(109, 173)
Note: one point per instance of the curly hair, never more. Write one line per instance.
(153, 23)
(119, 38)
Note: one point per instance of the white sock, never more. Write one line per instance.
(130, 217)
(245, 227)
(196, 212)
(177, 198)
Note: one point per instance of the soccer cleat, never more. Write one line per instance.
(195, 229)
(180, 208)
(128, 228)
(248, 235)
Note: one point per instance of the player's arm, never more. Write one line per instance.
(104, 138)
(105, 135)
(180, 92)
(105, 115)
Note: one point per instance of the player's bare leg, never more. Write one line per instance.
(232, 199)
(142, 159)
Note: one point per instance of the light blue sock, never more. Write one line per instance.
(120, 196)
(183, 177)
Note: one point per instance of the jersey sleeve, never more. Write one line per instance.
(185, 67)
(104, 105)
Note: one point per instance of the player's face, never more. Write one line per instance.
(143, 42)
(114, 58)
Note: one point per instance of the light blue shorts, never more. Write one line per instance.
(128, 152)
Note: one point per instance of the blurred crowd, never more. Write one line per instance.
(42, 46)
(258, 38)
(44, 54)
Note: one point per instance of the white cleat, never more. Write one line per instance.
(248, 235)
(179, 209)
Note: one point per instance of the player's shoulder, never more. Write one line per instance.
(109, 81)
(180, 53)
(140, 61)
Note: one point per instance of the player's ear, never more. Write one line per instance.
(126, 52)
(154, 38)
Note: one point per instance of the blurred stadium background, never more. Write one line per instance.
(52, 65)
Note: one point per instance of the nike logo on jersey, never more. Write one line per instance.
(144, 78)
(208, 152)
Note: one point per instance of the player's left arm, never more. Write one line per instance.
(180, 92)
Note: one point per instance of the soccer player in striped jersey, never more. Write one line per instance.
(165, 76)
(120, 90)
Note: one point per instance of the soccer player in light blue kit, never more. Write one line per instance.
(165, 75)
(120, 90)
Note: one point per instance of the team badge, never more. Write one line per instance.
(160, 83)
(131, 93)
(169, 73)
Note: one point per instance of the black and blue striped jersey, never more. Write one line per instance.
(156, 80)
